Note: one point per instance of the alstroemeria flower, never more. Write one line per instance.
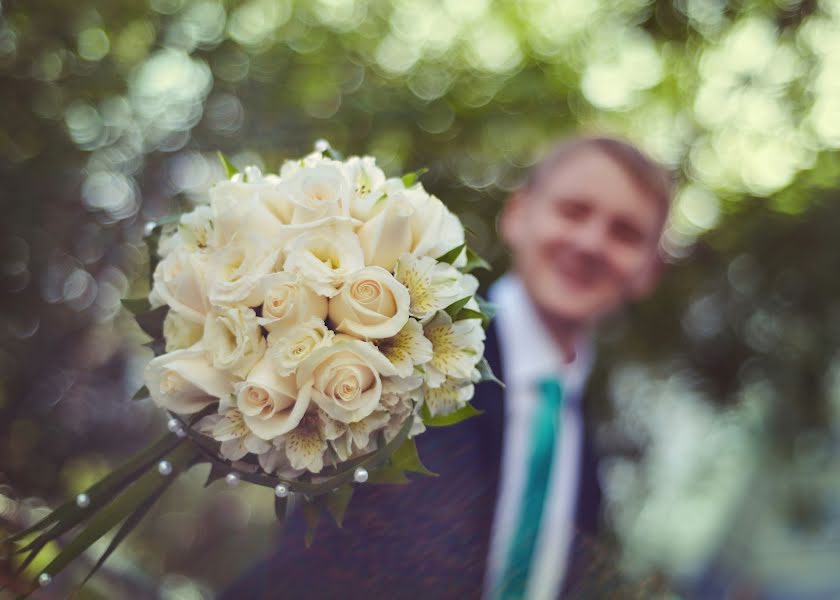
(305, 445)
(230, 429)
(407, 349)
(448, 397)
(356, 436)
(456, 348)
(431, 285)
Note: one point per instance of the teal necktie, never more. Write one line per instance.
(545, 432)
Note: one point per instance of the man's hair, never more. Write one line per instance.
(652, 178)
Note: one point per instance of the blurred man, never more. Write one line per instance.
(518, 485)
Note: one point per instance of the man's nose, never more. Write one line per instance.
(590, 237)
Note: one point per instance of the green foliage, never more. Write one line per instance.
(465, 412)
(451, 256)
(230, 170)
(409, 179)
(456, 307)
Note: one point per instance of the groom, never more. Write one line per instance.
(517, 488)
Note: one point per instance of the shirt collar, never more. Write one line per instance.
(528, 350)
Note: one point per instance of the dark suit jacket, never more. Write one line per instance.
(428, 539)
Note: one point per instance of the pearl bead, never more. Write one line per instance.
(165, 467)
(44, 579)
(321, 145)
(232, 479)
(149, 227)
(281, 491)
(173, 425)
(82, 500)
(360, 475)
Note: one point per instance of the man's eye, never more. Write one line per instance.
(628, 233)
(573, 211)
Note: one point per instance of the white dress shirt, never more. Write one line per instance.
(529, 354)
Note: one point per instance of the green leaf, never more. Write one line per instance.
(170, 219)
(333, 153)
(465, 412)
(486, 372)
(336, 502)
(474, 261)
(68, 515)
(137, 306)
(487, 308)
(406, 458)
(453, 309)
(451, 256)
(124, 505)
(468, 313)
(128, 526)
(151, 322)
(312, 515)
(230, 170)
(388, 475)
(409, 179)
(141, 394)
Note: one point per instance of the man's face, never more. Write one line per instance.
(583, 238)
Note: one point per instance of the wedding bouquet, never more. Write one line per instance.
(308, 325)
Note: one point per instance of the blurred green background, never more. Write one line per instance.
(719, 398)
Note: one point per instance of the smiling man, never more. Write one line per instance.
(583, 233)
(517, 486)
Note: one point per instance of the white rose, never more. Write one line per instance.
(371, 304)
(233, 339)
(287, 301)
(180, 281)
(318, 192)
(287, 348)
(184, 382)
(344, 379)
(387, 236)
(179, 332)
(256, 208)
(236, 270)
(269, 403)
(434, 229)
(323, 257)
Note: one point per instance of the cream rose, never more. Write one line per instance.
(184, 381)
(269, 403)
(318, 192)
(434, 229)
(236, 270)
(233, 339)
(180, 281)
(288, 347)
(288, 301)
(179, 332)
(387, 236)
(323, 257)
(371, 304)
(255, 208)
(344, 379)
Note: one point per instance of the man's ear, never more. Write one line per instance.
(512, 219)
